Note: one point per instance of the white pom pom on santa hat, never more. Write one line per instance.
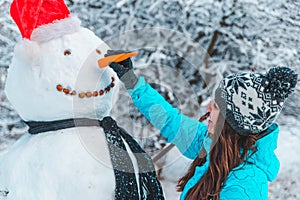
(43, 20)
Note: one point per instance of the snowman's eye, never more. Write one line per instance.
(67, 52)
(98, 51)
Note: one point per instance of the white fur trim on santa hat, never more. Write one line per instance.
(56, 29)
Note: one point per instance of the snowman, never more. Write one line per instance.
(73, 148)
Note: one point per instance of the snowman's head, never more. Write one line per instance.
(54, 74)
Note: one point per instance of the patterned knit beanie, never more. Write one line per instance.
(250, 102)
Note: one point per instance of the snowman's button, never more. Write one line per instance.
(95, 93)
(59, 87)
(107, 89)
(66, 91)
(88, 94)
(81, 95)
(73, 92)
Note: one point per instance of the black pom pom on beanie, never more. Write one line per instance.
(283, 80)
(250, 102)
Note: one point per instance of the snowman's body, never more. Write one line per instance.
(71, 163)
(57, 165)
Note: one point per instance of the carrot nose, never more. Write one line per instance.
(104, 62)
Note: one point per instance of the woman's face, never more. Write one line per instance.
(214, 110)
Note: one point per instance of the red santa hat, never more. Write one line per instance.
(42, 20)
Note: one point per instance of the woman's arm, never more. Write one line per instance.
(186, 133)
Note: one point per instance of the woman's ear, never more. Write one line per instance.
(27, 52)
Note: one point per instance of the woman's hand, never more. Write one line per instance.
(124, 69)
(119, 67)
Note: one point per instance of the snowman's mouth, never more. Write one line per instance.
(88, 94)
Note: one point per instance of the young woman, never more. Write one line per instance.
(234, 155)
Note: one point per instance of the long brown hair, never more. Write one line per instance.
(225, 154)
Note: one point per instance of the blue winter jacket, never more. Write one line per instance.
(247, 181)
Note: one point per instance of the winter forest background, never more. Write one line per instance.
(185, 47)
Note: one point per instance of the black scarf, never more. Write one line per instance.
(126, 183)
